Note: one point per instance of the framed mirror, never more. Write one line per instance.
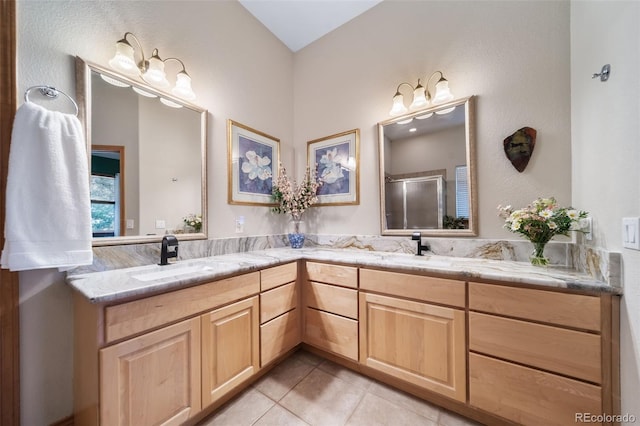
(147, 159)
(428, 173)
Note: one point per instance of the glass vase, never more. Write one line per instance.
(296, 232)
(537, 257)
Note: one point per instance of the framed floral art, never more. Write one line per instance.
(253, 159)
(337, 158)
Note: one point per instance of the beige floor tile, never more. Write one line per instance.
(278, 416)
(241, 411)
(322, 399)
(345, 374)
(405, 400)
(283, 377)
(375, 411)
(308, 357)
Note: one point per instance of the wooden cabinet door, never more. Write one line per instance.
(153, 379)
(230, 347)
(420, 343)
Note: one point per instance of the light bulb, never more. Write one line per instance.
(123, 60)
(419, 98)
(155, 74)
(113, 81)
(443, 93)
(183, 86)
(398, 107)
(169, 103)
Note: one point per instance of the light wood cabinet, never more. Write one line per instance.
(417, 342)
(279, 311)
(160, 359)
(331, 308)
(528, 396)
(540, 356)
(496, 353)
(152, 379)
(230, 348)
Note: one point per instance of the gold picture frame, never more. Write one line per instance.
(253, 159)
(337, 160)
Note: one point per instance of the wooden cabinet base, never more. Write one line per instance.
(528, 396)
(417, 342)
(152, 379)
(331, 332)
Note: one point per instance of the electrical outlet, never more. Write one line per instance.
(160, 224)
(631, 232)
(239, 224)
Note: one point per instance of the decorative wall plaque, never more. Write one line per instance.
(519, 146)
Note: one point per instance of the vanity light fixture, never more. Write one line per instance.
(151, 70)
(422, 97)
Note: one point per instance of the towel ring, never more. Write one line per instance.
(50, 92)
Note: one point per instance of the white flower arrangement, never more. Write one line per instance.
(194, 221)
(540, 221)
(293, 198)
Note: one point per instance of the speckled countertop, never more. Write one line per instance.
(128, 283)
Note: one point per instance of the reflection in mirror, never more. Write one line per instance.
(163, 140)
(427, 172)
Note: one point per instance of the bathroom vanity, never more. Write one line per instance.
(499, 342)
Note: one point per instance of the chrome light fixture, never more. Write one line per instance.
(422, 97)
(151, 70)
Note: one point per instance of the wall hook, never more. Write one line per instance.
(604, 73)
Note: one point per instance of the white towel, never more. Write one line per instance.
(48, 209)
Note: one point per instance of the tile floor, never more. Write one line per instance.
(308, 390)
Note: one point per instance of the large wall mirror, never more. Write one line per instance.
(148, 159)
(427, 172)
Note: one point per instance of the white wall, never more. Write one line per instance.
(239, 71)
(169, 182)
(606, 151)
(513, 55)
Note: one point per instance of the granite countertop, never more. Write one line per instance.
(129, 283)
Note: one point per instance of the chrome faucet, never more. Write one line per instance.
(417, 236)
(169, 249)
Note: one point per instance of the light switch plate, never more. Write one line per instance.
(130, 224)
(239, 224)
(631, 232)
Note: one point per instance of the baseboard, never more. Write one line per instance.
(67, 421)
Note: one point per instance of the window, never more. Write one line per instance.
(462, 192)
(104, 209)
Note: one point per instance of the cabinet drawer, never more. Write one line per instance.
(572, 310)
(563, 351)
(278, 275)
(337, 300)
(279, 335)
(427, 289)
(278, 301)
(346, 276)
(139, 315)
(527, 396)
(332, 333)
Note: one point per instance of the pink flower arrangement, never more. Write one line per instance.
(293, 198)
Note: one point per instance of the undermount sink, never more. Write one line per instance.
(436, 263)
(172, 272)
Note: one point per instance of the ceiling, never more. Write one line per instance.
(298, 23)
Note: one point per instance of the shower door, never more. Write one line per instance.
(415, 203)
